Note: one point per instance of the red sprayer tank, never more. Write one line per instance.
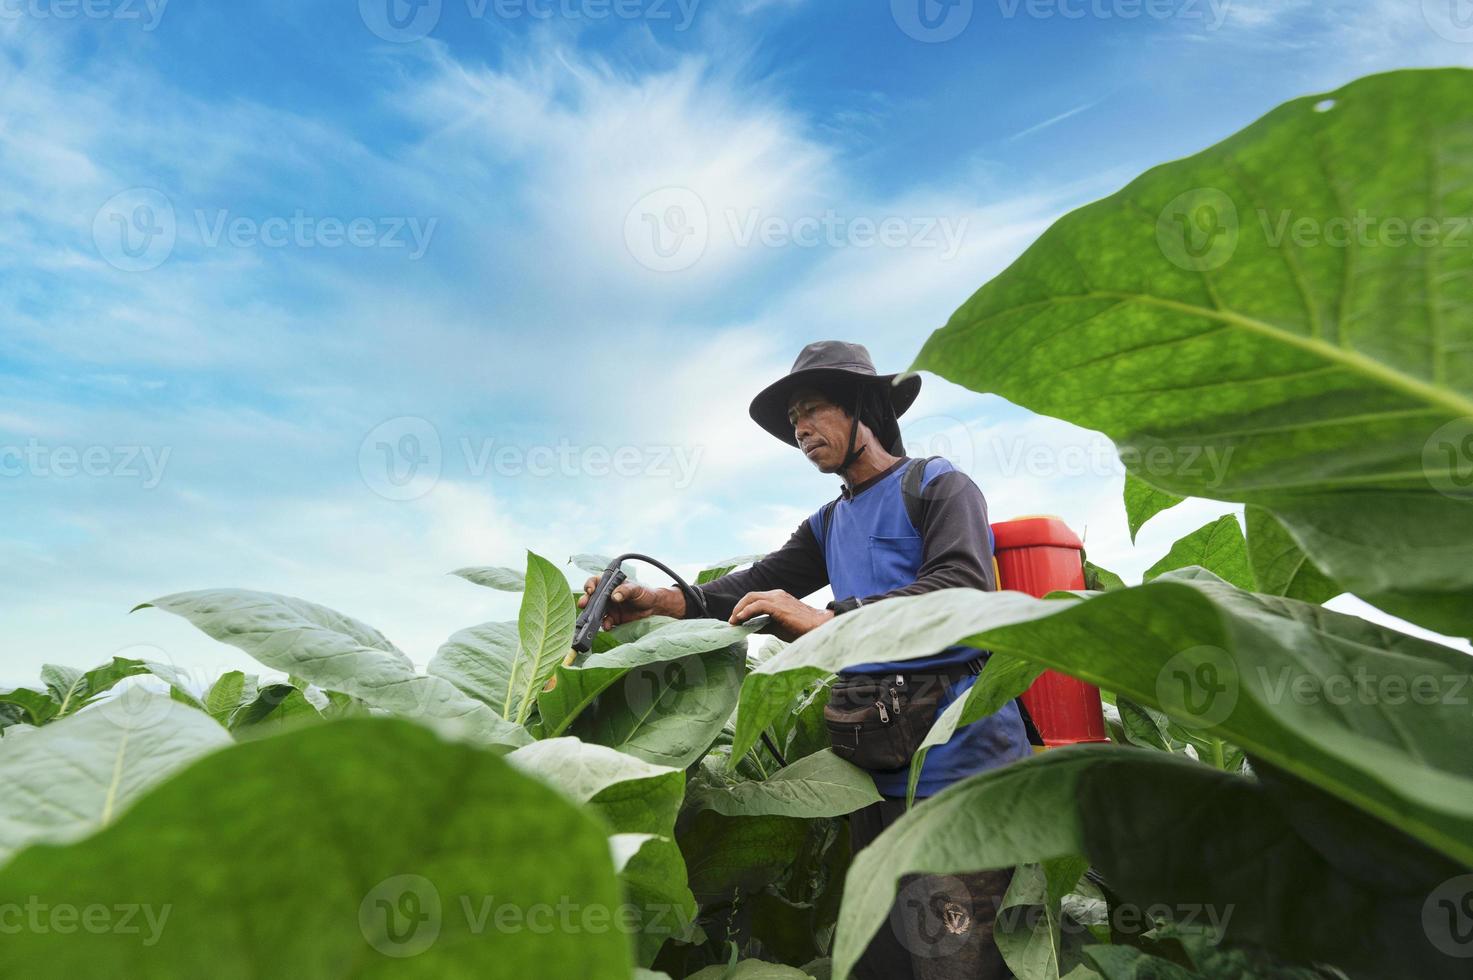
(1039, 555)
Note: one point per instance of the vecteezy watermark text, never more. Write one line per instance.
(402, 458)
(1362, 686)
(405, 21)
(934, 21)
(1366, 230)
(1201, 230)
(138, 229)
(63, 919)
(403, 916)
(567, 459)
(670, 229)
(302, 230)
(66, 462)
(148, 13)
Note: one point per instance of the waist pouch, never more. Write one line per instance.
(877, 721)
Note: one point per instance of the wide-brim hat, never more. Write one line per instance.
(827, 361)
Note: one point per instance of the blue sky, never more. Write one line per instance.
(296, 299)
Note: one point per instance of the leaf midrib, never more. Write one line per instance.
(1348, 358)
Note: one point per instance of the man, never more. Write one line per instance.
(844, 417)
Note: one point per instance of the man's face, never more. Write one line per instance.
(821, 428)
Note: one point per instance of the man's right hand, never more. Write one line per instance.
(632, 601)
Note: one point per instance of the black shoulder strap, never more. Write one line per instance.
(1034, 737)
(828, 517)
(910, 489)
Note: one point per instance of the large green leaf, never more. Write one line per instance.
(817, 785)
(1281, 679)
(1166, 831)
(1279, 566)
(1249, 324)
(478, 660)
(37, 707)
(652, 872)
(79, 773)
(639, 802)
(1276, 677)
(494, 577)
(646, 649)
(634, 796)
(337, 653)
(274, 708)
(668, 712)
(366, 848)
(225, 695)
(1143, 502)
(1218, 547)
(544, 632)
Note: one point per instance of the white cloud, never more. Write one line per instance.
(582, 142)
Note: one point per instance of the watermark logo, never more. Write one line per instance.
(400, 21)
(1198, 230)
(1447, 917)
(663, 688)
(1447, 459)
(400, 459)
(1452, 20)
(933, 916)
(931, 21)
(667, 230)
(135, 231)
(401, 916)
(1199, 687)
(940, 435)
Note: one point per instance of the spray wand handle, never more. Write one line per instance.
(592, 616)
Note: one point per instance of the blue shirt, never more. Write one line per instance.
(871, 548)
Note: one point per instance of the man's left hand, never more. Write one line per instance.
(791, 618)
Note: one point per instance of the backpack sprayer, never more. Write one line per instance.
(1039, 555)
(587, 625)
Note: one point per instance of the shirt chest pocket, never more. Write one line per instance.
(894, 562)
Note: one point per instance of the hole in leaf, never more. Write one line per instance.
(1324, 106)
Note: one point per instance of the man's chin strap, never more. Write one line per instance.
(852, 455)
